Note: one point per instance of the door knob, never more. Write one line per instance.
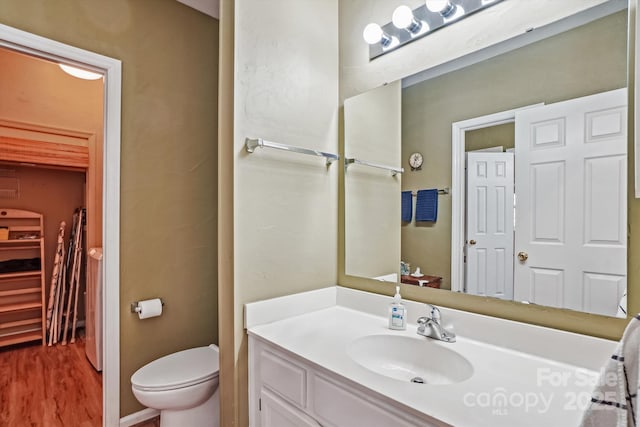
(523, 256)
(472, 242)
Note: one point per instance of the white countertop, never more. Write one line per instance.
(540, 377)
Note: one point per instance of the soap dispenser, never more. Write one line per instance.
(397, 312)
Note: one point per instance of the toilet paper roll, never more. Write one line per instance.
(149, 308)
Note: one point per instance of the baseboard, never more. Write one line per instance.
(138, 417)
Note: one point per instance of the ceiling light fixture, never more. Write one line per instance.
(80, 73)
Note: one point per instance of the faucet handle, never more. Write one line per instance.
(435, 313)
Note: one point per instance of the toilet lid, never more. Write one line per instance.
(177, 370)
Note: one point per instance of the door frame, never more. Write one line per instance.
(112, 70)
(458, 186)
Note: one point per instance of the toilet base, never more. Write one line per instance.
(204, 415)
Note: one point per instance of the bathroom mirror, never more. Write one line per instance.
(552, 229)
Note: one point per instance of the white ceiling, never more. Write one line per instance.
(208, 7)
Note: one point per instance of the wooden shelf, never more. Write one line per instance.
(22, 336)
(14, 241)
(19, 323)
(23, 291)
(19, 306)
(20, 244)
(22, 299)
(20, 275)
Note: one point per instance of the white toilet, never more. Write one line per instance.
(183, 386)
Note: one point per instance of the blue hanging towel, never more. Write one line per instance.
(407, 206)
(427, 205)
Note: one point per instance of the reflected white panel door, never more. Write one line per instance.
(571, 212)
(489, 267)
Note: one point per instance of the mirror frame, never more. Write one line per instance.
(557, 318)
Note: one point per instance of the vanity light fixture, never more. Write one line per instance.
(408, 25)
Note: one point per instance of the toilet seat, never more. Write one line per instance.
(178, 370)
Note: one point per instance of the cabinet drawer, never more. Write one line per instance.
(285, 377)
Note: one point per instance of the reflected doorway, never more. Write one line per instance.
(566, 224)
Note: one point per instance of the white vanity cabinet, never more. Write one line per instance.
(286, 390)
(276, 412)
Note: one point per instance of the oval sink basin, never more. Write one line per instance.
(405, 359)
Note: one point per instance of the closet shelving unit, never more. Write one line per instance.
(22, 293)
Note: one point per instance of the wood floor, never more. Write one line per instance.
(49, 387)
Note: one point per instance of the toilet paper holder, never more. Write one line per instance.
(135, 308)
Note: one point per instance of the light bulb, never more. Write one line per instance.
(437, 6)
(402, 17)
(372, 33)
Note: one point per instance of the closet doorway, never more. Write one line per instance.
(94, 147)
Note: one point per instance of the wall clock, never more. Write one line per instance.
(415, 161)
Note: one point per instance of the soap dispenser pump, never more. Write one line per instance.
(397, 313)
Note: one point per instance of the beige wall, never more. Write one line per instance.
(492, 136)
(168, 212)
(551, 70)
(284, 204)
(373, 133)
(506, 20)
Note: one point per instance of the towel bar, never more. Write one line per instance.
(440, 191)
(394, 171)
(250, 145)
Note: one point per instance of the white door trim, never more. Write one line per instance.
(636, 104)
(458, 190)
(112, 70)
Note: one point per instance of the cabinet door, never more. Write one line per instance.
(275, 412)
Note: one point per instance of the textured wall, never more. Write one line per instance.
(285, 204)
(169, 56)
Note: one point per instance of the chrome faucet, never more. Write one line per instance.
(432, 328)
